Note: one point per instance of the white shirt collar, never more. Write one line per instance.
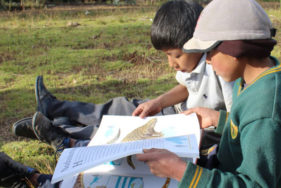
(200, 68)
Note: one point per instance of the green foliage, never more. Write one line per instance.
(270, 0)
(40, 4)
(275, 15)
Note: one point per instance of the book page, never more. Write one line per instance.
(113, 129)
(121, 166)
(75, 160)
(93, 181)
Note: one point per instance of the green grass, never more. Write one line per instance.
(275, 15)
(35, 154)
(102, 49)
(107, 55)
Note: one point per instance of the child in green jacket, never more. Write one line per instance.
(237, 34)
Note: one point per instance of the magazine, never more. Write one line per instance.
(106, 157)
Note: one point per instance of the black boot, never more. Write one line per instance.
(46, 132)
(43, 97)
(14, 174)
(23, 128)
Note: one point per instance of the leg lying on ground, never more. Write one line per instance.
(15, 174)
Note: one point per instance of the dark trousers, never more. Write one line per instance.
(15, 175)
(8, 178)
(81, 120)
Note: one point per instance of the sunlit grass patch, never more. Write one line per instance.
(275, 15)
(33, 154)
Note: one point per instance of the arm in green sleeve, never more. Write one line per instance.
(260, 166)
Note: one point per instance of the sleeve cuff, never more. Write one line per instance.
(191, 176)
(222, 121)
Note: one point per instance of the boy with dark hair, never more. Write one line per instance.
(173, 25)
(170, 21)
(249, 154)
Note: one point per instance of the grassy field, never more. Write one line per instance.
(88, 54)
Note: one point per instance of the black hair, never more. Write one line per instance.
(174, 24)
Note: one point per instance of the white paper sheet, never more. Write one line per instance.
(75, 160)
(169, 125)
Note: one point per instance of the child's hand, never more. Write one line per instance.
(163, 163)
(207, 117)
(148, 108)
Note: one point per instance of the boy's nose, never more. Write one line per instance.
(173, 64)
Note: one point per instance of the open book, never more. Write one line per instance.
(105, 159)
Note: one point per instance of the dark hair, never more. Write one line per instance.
(174, 24)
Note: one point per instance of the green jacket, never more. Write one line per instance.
(250, 147)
